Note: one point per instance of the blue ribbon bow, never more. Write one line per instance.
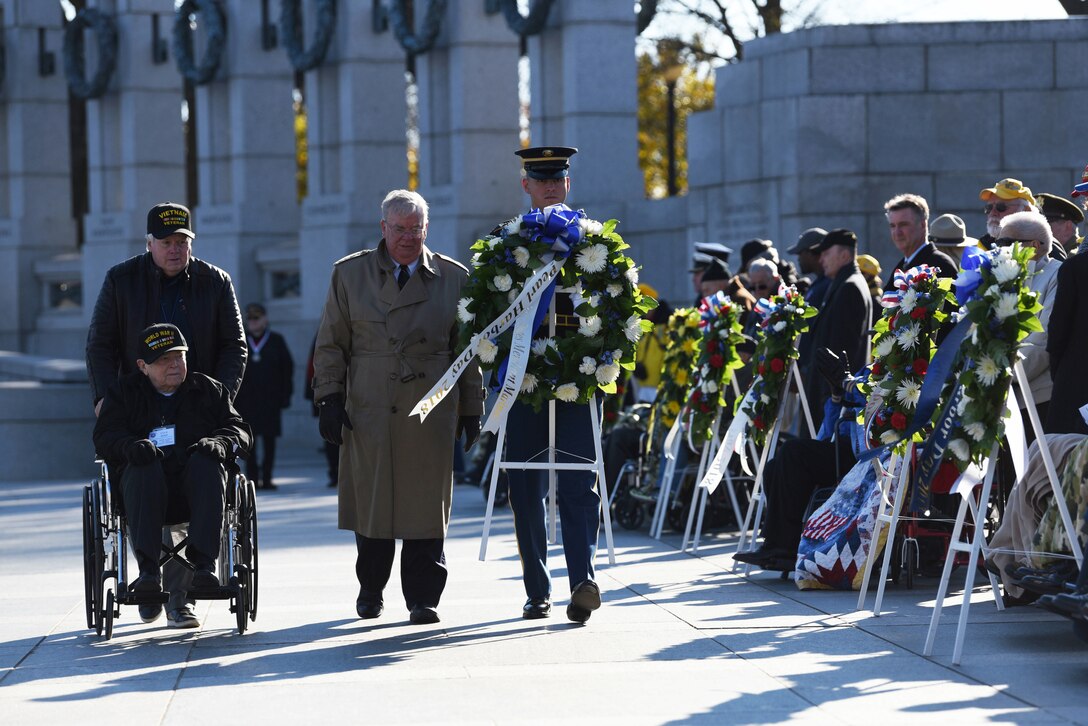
(557, 225)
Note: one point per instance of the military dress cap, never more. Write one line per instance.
(714, 249)
(169, 218)
(753, 249)
(842, 236)
(717, 270)
(950, 231)
(1007, 189)
(546, 162)
(810, 239)
(1051, 205)
(160, 338)
(700, 261)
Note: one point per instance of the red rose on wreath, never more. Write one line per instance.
(705, 408)
(877, 369)
(917, 313)
(716, 361)
(777, 365)
(711, 346)
(920, 366)
(899, 421)
(758, 423)
(762, 369)
(696, 395)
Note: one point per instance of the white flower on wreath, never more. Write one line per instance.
(521, 256)
(617, 354)
(462, 310)
(889, 437)
(959, 449)
(607, 373)
(493, 242)
(588, 367)
(528, 383)
(487, 351)
(592, 258)
(962, 407)
(590, 226)
(909, 301)
(908, 337)
(632, 275)
(987, 370)
(1007, 306)
(779, 326)
(633, 328)
(475, 260)
(614, 290)
(764, 399)
(594, 299)
(908, 393)
(975, 430)
(512, 295)
(540, 345)
(567, 392)
(710, 387)
(502, 283)
(884, 347)
(589, 326)
(513, 226)
(1005, 269)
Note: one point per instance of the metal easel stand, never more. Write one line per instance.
(977, 545)
(750, 527)
(698, 494)
(553, 467)
(899, 469)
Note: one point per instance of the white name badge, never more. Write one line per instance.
(162, 436)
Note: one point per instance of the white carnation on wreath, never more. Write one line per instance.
(909, 300)
(592, 258)
(589, 326)
(617, 354)
(1005, 269)
(590, 226)
(607, 373)
(521, 256)
(462, 310)
(889, 437)
(976, 430)
(487, 350)
(987, 370)
(539, 346)
(779, 326)
(633, 328)
(1007, 306)
(908, 337)
(614, 290)
(908, 393)
(567, 392)
(502, 283)
(588, 366)
(710, 386)
(884, 347)
(959, 449)
(632, 275)
(528, 383)
(513, 226)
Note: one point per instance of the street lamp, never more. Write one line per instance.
(672, 73)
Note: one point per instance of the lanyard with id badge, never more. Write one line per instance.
(162, 436)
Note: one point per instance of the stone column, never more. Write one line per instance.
(468, 101)
(35, 195)
(135, 143)
(584, 94)
(357, 148)
(246, 149)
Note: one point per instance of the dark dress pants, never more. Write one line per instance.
(799, 467)
(153, 499)
(267, 446)
(578, 501)
(422, 569)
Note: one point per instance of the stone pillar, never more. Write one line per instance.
(357, 148)
(584, 94)
(135, 144)
(35, 194)
(468, 102)
(246, 150)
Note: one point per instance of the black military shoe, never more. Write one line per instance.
(536, 608)
(368, 610)
(423, 615)
(585, 598)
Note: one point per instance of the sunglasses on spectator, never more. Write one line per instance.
(1007, 241)
(1000, 207)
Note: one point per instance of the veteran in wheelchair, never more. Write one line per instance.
(168, 438)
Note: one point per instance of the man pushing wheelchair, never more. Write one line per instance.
(166, 435)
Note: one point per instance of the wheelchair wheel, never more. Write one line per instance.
(910, 560)
(249, 549)
(91, 574)
(107, 615)
(629, 512)
(240, 605)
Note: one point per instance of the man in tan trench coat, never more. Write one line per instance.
(388, 332)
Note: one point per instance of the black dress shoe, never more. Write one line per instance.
(585, 598)
(205, 579)
(763, 555)
(536, 608)
(368, 610)
(423, 615)
(147, 582)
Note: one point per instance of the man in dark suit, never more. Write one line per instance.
(845, 315)
(1068, 349)
(908, 222)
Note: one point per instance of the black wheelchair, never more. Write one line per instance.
(105, 554)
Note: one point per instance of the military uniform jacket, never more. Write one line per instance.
(1068, 348)
(383, 348)
(843, 323)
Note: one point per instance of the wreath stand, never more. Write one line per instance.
(977, 543)
(898, 470)
(750, 527)
(553, 467)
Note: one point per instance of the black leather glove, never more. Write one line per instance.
(470, 426)
(212, 447)
(834, 368)
(333, 419)
(141, 452)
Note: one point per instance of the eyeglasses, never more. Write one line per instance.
(1007, 241)
(999, 206)
(407, 231)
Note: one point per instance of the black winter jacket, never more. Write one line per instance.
(129, 302)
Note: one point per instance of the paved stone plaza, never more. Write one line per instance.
(680, 639)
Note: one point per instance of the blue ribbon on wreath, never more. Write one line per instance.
(974, 261)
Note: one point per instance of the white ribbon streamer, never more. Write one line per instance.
(672, 439)
(524, 306)
(1014, 433)
(733, 443)
(967, 481)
